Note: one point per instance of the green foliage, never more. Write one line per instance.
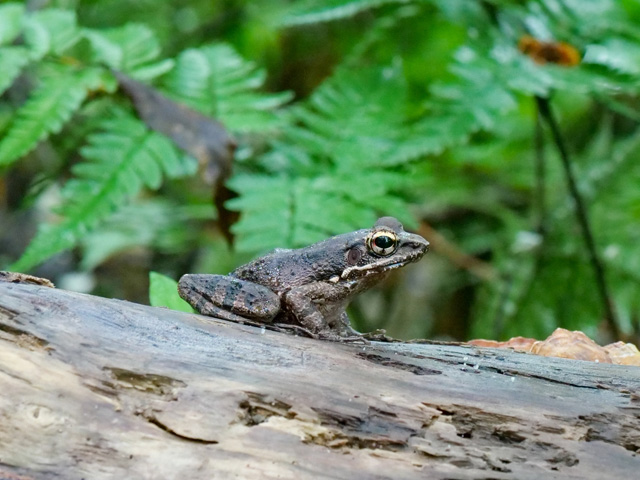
(421, 109)
(159, 226)
(12, 61)
(60, 94)
(163, 292)
(66, 65)
(307, 191)
(11, 15)
(216, 81)
(314, 11)
(122, 158)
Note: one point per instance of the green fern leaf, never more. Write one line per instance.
(104, 49)
(61, 27)
(356, 122)
(121, 159)
(353, 123)
(316, 11)
(508, 68)
(36, 38)
(218, 82)
(12, 60)
(11, 15)
(139, 45)
(59, 95)
(283, 211)
(131, 49)
(355, 119)
(159, 225)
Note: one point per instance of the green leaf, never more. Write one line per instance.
(148, 72)
(159, 225)
(126, 48)
(616, 53)
(282, 211)
(61, 27)
(337, 168)
(218, 82)
(11, 15)
(12, 60)
(315, 11)
(121, 159)
(356, 118)
(105, 49)
(59, 94)
(36, 38)
(163, 292)
(129, 49)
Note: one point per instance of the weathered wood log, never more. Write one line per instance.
(101, 389)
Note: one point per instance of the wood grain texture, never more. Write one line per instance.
(100, 389)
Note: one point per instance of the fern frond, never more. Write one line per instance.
(354, 119)
(11, 15)
(316, 11)
(218, 82)
(120, 160)
(132, 48)
(12, 61)
(292, 211)
(358, 144)
(36, 38)
(138, 43)
(159, 224)
(59, 95)
(338, 178)
(509, 68)
(61, 27)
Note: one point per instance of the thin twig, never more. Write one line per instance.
(546, 113)
(540, 174)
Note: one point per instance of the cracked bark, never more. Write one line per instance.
(101, 389)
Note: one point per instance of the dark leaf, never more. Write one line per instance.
(202, 137)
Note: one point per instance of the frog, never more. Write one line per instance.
(307, 288)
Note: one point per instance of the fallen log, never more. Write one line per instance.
(100, 389)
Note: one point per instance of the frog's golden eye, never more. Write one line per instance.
(383, 242)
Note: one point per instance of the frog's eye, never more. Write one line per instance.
(383, 242)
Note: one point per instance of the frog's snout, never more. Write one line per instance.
(417, 243)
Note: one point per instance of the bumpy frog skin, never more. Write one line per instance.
(309, 287)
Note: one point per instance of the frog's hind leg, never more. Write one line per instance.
(229, 298)
(210, 310)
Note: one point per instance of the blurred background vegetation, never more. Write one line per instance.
(438, 112)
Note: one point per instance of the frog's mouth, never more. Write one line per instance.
(380, 267)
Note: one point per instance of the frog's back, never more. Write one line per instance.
(282, 269)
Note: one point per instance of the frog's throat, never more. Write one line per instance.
(364, 270)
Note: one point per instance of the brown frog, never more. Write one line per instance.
(309, 287)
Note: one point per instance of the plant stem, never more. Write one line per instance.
(545, 111)
(540, 175)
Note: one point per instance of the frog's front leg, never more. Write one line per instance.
(229, 298)
(312, 307)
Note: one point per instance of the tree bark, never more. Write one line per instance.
(100, 389)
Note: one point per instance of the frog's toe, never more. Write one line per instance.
(338, 337)
(295, 330)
